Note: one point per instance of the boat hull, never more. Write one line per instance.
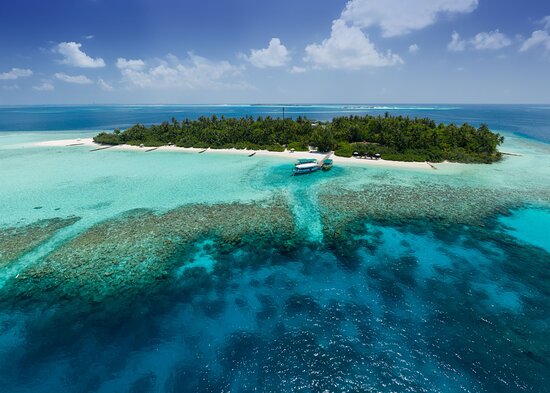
(305, 171)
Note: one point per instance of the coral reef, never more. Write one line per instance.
(16, 241)
(122, 256)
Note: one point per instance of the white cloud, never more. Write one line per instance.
(15, 73)
(44, 86)
(456, 44)
(400, 17)
(348, 48)
(135, 65)
(413, 49)
(275, 55)
(490, 40)
(538, 38)
(104, 85)
(77, 79)
(195, 72)
(298, 70)
(89, 37)
(73, 56)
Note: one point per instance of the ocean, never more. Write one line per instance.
(525, 120)
(122, 271)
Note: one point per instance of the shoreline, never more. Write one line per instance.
(88, 142)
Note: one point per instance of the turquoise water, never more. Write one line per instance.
(530, 226)
(172, 271)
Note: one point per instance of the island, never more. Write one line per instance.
(395, 138)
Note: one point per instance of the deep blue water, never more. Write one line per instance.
(528, 120)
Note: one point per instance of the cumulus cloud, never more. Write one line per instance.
(348, 48)
(490, 40)
(44, 86)
(400, 17)
(15, 73)
(195, 72)
(104, 85)
(539, 38)
(413, 49)
(74, 56)
(275, 55)
(456, 44)
(77, 79)
(135, 65)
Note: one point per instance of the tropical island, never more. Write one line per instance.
(395, 138)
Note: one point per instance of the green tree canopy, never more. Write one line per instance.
(395, 137)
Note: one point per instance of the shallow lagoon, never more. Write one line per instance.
(224, 273)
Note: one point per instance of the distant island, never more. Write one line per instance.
(394, 138)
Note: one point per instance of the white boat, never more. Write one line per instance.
(308, 167)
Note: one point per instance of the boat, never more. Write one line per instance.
(327, 164)
(307, 167)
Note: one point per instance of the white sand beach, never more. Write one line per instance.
(286, 154)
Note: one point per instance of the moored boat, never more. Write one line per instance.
(307, 167)
(327, 164)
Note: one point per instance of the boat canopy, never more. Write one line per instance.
(306, 160)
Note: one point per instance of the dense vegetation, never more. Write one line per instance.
(395, 138)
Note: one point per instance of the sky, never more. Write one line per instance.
(284, 51)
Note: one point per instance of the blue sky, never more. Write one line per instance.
(250, 51)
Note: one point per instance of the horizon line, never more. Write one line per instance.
(279, 104)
